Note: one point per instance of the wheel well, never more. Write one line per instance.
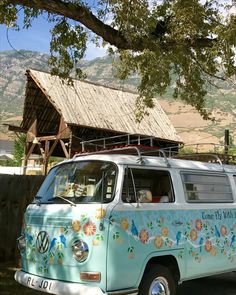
(169, 261)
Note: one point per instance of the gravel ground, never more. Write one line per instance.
(216, 285)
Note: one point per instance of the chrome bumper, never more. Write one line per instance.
(63, 288)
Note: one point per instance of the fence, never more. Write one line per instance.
(16, 192)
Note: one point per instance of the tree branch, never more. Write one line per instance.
(112, 36)
(78, 13)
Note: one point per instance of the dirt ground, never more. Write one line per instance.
(217, 285)
(8, 286)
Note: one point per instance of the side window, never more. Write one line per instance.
(147, 186)
(206, 188)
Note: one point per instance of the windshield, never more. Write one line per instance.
(79, 182)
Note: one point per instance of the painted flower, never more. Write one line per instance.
(96, 242)
(124, 224)
(158, 242)
(193, 234)
(208, 246)
(98, 238)
(223, 230)
(76, 225)
(213, 251)
(165, 231)
(143, 236)
(131, 255)
(89, 228)
(198, 224)
(100, 213)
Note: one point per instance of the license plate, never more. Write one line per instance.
(39, 284)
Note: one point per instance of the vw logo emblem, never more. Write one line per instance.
(42, 242)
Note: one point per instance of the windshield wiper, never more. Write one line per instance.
(63, 198)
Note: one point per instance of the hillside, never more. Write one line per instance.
(188, 123)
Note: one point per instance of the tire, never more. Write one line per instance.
(157, 280)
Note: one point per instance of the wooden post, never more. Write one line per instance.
(46, 157)
(27, 157)
(226, 145)
(64, 149)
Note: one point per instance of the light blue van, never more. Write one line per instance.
(114, 223)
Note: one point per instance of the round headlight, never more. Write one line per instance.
(80, 250)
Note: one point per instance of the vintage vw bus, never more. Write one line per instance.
(115, 223)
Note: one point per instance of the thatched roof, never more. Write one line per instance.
(93, 106)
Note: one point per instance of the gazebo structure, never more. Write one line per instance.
(58, 117)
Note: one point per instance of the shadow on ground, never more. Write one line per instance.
(224, 284)
(8, 286)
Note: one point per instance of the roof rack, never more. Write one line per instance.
(140, 150)
(133, 144)
(118, 140)
(219, 154)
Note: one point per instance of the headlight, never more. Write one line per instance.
(80, 250)
(21, 243)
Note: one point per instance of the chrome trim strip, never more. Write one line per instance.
(124, 292)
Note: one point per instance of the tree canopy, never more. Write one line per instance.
(177, 43)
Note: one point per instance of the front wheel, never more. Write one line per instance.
(157, 280)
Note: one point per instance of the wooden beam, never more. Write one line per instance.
(27, 157)
(52, 148)
(32, 132)
(46, 158)
(64, 149)
(15, 128)
(64, 130)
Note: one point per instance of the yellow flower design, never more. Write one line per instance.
(158, 242)
(124, 224)
(76, 225)
(100, 213)
(165, 231)
(193, 234)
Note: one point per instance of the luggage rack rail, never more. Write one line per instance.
(133, 145)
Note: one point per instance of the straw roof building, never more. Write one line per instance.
(58, 117)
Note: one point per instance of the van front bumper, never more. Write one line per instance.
(61, 288)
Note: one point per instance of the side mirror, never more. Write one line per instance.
(144, 196)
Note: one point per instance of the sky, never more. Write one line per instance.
(37, 38)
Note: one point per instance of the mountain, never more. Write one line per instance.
(188, 123)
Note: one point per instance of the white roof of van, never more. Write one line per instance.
(151, 161)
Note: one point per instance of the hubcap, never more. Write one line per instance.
(159, 286)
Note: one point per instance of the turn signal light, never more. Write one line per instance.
(90, 276)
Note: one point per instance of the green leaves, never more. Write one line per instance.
(67, 47)
(8, 14)
(170, 44)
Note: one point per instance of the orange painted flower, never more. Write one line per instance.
(158, 242)
(223, 230)
(143, 236)
(198, 224)
(89, 228)
(165, 231)
(76, 225)
(208, 246)
(213, 251)
(193, 234)
(124, 224)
